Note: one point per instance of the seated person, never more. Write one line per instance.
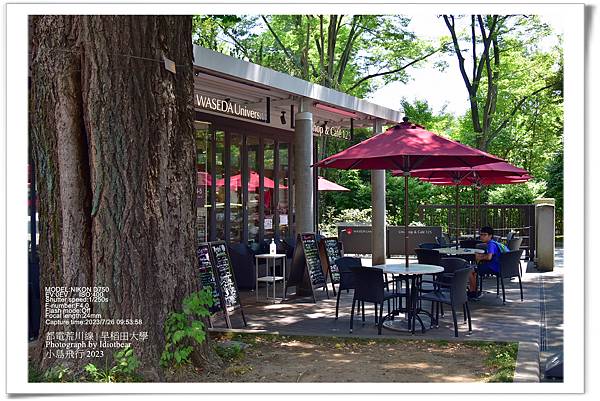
(488, 262)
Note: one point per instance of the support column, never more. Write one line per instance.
(303, 158)
(378, 236)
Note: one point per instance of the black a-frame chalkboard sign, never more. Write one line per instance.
(306, 266)
(216, 271)
(329, 250)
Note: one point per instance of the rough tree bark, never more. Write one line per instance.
(115, 158)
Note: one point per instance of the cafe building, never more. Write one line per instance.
(256, 133)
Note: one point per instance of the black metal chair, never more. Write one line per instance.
(456, 297)
(369, 287)
(514, 243)
(469, 243)
(450, 265)
(510, 266)
(347, 278)
(481, 245)
(243, 263)
(429, 245)
(443, 240)
(428, 256)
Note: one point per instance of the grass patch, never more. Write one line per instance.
(501, 359)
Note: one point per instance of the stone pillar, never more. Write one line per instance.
(544, 234)
(303, 158)
(378, 236)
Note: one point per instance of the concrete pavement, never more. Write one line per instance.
(535, 323)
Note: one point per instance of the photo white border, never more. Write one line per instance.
(16, 158)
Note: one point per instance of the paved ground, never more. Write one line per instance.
(536, 323)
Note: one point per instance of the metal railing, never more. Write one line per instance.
(503, 218)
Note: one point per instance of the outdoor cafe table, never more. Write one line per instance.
(465, 253)
(411, 274)
(459, 251)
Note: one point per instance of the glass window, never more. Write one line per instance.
(269, 163)
(282, 205)
(236, 189)
(219, 228)
(203, 183)
(253, 187)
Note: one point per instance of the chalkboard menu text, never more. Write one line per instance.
(216, 271)
(306, 266)
(330, 252)
(207, 277)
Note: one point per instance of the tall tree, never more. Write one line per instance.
(487, 43)
(114, 155)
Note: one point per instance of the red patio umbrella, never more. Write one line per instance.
(235, 181)
(407, 147)
(326, 185)
(470, 175)
(203, 178)
(470, 181)
(485, 174)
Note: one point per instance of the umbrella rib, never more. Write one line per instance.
(353, 165)
(416, 165)
(464, 162)
(397, 165)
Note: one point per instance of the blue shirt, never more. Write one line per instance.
(493, 264)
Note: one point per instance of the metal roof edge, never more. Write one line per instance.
(254, 73)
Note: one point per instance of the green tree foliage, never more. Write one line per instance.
(421, 113)
(351, 53)
(511, 74)
(516, 193)
(555, 179)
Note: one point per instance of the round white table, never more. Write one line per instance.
(460, 251)
(411, 274)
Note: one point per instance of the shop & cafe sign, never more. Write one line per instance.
(336, 132)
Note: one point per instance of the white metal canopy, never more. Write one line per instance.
(249, 84)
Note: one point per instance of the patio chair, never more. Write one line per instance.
(450, 265)
(428, 256)
(347, 279)
(243, 263)
(514, 243)
(469, 243)
(429, 245)
(443, 241)
(369, 287)
(456, 297)
(510, 266)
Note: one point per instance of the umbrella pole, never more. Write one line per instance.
(474, 212)
(406, 218)
(457, 218)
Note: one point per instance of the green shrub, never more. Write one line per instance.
(123, 371)
(57, 374)
(229, 352)
(183, 329)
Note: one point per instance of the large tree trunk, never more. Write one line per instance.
(115, 161)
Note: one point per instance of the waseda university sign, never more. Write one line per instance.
(228, 107)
